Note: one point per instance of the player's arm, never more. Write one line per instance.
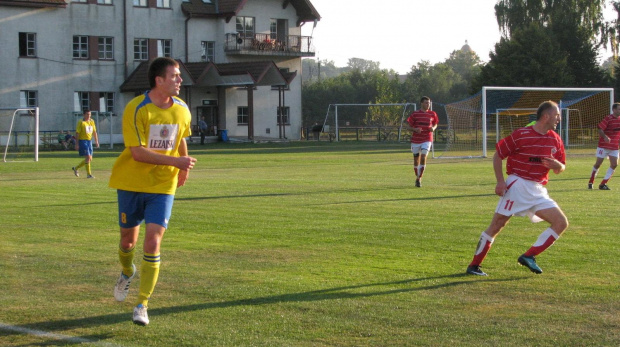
(96, 138)
(183, 174)
(601, 133)
(498, 168)
(554, 164)
(145, 155)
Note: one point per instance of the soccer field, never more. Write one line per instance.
(307, 244)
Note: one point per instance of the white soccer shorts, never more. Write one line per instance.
(604, 153)
(523, 198)
(422, 148)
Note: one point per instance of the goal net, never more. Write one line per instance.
(364, 122)
(19, 133)
(474, 125)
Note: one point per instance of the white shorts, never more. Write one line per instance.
(523, 198)
(604, 153)
(421, 148)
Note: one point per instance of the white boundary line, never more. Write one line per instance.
(44, 334)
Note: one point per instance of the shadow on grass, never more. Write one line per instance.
(346, 292)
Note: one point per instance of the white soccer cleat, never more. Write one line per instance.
(75, 172)
(122, 285)
(140, 316)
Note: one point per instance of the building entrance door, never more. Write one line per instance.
(210, 114)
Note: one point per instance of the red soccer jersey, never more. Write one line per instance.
(425, 120)
(525, 148)
(611, 127)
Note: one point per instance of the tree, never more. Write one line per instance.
(363, 65)
(576, 26)
(531, 57)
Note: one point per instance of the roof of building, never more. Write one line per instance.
(34, 3)
(229, 8)
(208, 74)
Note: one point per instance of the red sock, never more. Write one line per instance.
(421, 170)
(593, 176)
(415, 169)
(484, 245)
(545, 240)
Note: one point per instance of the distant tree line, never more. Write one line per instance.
(544, 44)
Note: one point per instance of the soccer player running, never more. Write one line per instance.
(609, 137)
(531, 152)
(146, 175)
(422, 123)
(85, 130)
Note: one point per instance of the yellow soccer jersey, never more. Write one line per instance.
(147, 125)
(85, 129)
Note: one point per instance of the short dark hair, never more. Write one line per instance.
(158, 67)
(85, 111)
(424, 98)
(544, 107)
(615, 105)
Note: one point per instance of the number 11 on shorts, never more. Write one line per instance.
(508, 205)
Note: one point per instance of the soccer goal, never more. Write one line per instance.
(365, 122)
(19, 133)
(477, 123)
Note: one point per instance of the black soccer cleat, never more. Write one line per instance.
(589, 185)
(418, 183)
(603, 187)
(475, 270)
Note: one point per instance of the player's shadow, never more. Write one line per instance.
(346, 292)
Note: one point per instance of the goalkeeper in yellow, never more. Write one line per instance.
(146, 175)
(85, 130)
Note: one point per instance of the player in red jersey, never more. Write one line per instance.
(422, 123)
(609, 137)
(531, 151)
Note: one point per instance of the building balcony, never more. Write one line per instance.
(263, 44)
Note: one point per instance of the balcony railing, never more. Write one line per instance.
(263, 44)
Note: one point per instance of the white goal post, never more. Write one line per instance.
(12, 112)
(483, 119)
(380, 122)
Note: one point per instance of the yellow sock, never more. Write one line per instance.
(126, 258)
(88, 169)
(149, 272)
(81, 164)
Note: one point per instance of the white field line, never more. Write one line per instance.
(45, 334)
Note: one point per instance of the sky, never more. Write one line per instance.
(400, 33)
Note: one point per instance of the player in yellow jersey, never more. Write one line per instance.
(85, 130)
(146, 175)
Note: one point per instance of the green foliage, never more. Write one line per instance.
(529, 58)
(307, 244)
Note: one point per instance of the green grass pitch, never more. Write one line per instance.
(307, 244)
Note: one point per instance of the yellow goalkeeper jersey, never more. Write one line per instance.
(147, 125)
(85, 129)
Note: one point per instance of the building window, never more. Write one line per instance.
(139, 3)
(242, 115)
(106, 48)
(27, 44)
(106, 102)
(285, 117)
(245, 27)
(140, 49)
(28, 98)
(278, 29)
(80, 47)
(81, 101)
(104, 2)
(164, 48)
(208, 51)
(163, 3)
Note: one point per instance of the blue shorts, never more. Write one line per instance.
(133, 208)
(86, 147)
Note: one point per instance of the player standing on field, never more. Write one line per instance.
(609, 137)
(146, 175)
(531, 152)
(85, 130)
(422, 123)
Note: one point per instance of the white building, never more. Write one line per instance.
(240, 60)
